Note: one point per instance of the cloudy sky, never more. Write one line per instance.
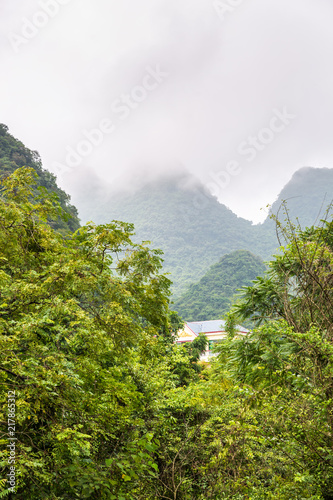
(237, 92)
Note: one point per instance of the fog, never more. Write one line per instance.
(239, 93)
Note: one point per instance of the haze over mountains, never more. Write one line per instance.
(307, 195)
(177, 214)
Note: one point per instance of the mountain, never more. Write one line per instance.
(177, 214)
(213, 295)
(307, 196)
(13, 155)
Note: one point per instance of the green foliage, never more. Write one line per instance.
(79, 331)
(197, 347)
(285, 367)
(108, 407)
(285, 379)
(213, 295)
(84, 343)
(298, 284)
(13, 155)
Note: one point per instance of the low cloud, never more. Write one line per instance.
(225, 76)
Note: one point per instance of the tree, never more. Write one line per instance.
(79, 330)
(298, 286)
(286, 364)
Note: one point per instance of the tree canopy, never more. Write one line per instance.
(286, 364)
(83, 321)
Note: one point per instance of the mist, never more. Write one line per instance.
(112, 94)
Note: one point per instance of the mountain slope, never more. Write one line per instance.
(212, 296)
(307, 195)
(13, 155)
(179, 216)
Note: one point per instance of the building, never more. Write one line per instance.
(214, 331)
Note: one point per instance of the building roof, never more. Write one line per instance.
(216, 325)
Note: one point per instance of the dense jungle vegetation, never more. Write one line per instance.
(108, 407)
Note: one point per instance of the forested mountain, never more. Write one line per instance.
(13, 155)
(307, 196)
(178, 215)
(213, 295)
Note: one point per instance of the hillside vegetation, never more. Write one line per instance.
(179, 216)
(307, 196)
(213, 295)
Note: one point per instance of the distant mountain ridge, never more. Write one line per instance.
(307, 196)
(177, 214)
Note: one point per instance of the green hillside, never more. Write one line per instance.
(179, 216)
(307, 196)
(13, 155)
(213, 295)
(194, 230)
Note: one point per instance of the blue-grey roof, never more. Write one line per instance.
(216, 325)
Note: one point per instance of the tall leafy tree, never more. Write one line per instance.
(298, 285)
(286, 363)
(80, 323)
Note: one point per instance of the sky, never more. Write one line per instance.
(238, 92)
